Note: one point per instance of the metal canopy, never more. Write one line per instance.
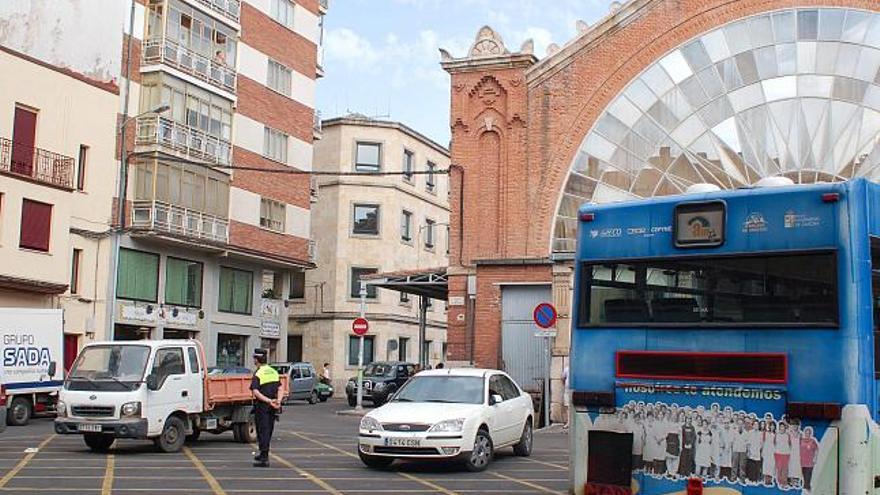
(430, 282)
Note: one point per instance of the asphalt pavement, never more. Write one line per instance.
(313, 452)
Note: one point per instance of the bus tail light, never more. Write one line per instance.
(831, 197)
(829, 411)
(583, 401)
(587, 216)
(695, 486)
(2, 395)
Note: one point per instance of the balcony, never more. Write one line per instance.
(36, 164)
(230, 9)
(154, 130)
(162, 50)
(161, 217)
(316, 124)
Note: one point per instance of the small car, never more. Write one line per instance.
(381, 380)
(463, 414)
(303, 381)
(325, 391)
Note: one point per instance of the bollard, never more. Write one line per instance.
(695, 486)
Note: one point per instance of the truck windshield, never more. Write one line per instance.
(109, 367)
(447, 389)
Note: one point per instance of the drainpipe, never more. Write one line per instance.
(122, 179)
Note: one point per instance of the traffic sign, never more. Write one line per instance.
(545, 333)
(360, 326)
(545, 315)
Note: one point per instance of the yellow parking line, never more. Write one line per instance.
(23, 462)
(107, 486)
(212, 482)
(545, 463)
(305, 474)
(526, 483)
(408, 476)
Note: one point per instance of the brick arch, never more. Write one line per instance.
(602, 68)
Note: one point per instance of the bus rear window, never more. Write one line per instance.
(768, 290)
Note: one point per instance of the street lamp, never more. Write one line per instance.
(120, 206)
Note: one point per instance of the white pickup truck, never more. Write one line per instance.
(152, 389)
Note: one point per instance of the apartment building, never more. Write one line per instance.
(222, 95)
(58, 111)
(365, 225)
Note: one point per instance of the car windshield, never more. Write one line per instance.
(109, 367)
(450, 389)
(379, 369)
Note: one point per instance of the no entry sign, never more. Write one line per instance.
(360, 326)
(545, 315)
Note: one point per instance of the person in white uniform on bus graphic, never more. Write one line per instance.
(740, 448)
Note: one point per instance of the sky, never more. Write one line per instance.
(381, 57)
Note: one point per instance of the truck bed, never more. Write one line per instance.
(232, 389)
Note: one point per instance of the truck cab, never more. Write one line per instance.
(157, 390)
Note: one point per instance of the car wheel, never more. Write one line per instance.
(372, 461)
(313, 397)
(173, 435)
(352, 401)
(20, 412)
(98, 442)
(482, 453)
(524, 447)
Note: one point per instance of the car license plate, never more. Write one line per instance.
(89, 428)
(402, 442)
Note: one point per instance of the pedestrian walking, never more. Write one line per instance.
(264, 386)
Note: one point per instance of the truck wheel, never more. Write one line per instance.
(313, 397)
(173, 435)
(20, 412)
(245, 432)
(98, 442)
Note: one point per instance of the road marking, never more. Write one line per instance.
(408, 476)
(545, 463)
(212, 482)
(305, 474)
(23, 462)
(107, 485)
(526, 483)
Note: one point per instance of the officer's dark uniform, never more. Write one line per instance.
(267, 381)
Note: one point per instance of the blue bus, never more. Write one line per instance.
(727, 340)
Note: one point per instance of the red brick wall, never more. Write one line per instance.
(135, 58)
(292, 189)
(287, 47)
(265, 242)
(260, 103)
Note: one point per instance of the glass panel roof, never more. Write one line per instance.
(792, 93)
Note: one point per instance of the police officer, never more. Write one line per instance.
(264, 387)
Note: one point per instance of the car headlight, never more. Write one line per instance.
(131, 409)
(448, 426)
(61, 409)
(370, 424)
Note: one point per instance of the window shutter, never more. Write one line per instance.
(36, 221)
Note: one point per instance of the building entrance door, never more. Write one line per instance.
(295, 348)
(522, 353)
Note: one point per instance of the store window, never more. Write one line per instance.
(138, 275)
(236, 291)
(230, 350)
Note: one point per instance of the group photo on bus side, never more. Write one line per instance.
(716, 444)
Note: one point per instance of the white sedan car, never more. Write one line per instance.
(462, 413)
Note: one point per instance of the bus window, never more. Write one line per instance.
(778, 289)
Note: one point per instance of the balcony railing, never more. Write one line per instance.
(214, 72)
(229, 8)
(316, 122)
(195, 143)
(159, 216)
(36, 164)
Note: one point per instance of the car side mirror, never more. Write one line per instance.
(53, 368)
(495, 399)
(152, 382)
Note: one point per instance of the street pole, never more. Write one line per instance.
(547, 381)
(360, 384)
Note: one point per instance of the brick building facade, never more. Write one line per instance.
(530, 137)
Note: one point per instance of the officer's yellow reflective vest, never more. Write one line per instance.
(267, 374)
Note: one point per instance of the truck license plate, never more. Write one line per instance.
(89, 428)
(403, 442)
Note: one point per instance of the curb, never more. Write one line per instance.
(351, 412)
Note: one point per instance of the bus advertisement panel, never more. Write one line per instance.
(726, 339)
